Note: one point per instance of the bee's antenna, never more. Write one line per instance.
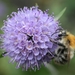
(57, 30)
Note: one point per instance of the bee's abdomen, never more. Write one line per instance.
(61, 56)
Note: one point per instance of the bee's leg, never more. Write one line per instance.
(58, 43)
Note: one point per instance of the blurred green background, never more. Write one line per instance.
(67, 21)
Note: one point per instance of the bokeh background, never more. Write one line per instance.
(67, 21)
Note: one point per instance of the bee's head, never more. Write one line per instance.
(62, 33)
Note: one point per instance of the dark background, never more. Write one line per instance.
(67, 22)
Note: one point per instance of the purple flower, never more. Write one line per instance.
(27, 35)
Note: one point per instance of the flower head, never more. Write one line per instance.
(27, 35)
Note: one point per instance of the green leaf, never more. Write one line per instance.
(2, 54)
(60, 14)
(51, 69)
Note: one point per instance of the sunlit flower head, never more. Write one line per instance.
(26, 37)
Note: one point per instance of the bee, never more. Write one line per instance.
(66, 46)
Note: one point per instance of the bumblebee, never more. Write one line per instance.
(66, 46)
